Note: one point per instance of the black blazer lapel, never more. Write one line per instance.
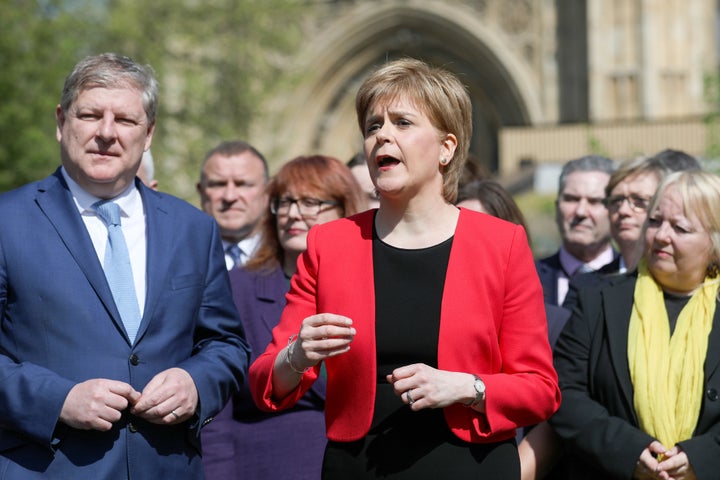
(617, 300)
(712, 359)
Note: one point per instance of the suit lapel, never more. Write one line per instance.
(56, 202)
(712, 359)
(548, 271)
(617, 303)
(158, 234)
(266, 290)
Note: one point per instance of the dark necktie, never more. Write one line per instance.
(118, 270)
(234, 253)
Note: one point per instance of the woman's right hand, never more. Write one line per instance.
(647, 465)
(321, 336)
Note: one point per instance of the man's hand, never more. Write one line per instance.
(96, 404)
(170, 397)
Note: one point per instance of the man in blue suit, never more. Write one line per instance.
(85, 390)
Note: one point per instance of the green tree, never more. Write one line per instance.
(216, 60)
(39, 43)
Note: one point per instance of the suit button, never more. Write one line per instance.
(134, 359)
(712, 394)
(132, 427)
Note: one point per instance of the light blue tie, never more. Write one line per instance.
(118, 270)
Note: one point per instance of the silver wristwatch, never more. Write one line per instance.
(479, 386)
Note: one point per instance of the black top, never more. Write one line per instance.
(408, 297)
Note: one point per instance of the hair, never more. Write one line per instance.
(660, 165)
(437, 93)
(318, 175)
(588, 163)
(357, 160)
(232, 148)
(675, 161)
(110, 70)
(700, 194)
(495, 199)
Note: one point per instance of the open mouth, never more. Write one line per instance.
(386, 162)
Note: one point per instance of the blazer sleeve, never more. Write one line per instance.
(221, 356)
(595, 434)
(703, 452)
(300, 304)
(522, 387)
(31, 396)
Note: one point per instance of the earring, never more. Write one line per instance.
(443, 161)
(712, 270)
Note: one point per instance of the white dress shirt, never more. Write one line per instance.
(132, 219)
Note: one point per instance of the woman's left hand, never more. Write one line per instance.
(421, 386)
(676, 465)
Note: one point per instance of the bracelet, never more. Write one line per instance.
(288, 352)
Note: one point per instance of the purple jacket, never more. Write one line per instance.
(243, 442)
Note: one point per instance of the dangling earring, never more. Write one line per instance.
(713, 269)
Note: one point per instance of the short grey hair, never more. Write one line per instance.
(588, 163)
(110, 70)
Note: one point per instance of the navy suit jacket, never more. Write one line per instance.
(59, 326)
(245, 442)
(549, 269)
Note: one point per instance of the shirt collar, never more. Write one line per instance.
(129, 200)
(570, 263)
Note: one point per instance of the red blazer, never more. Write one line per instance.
(492, 324)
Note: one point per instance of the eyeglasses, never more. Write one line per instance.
(308, 207)
(637, 203)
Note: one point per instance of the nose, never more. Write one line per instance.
(382, 135)
(294, 213)
(624, 207)
(662, 234)
(106, 127)
(230, 192)
(582, 207)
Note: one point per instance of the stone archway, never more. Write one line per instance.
(319, 116)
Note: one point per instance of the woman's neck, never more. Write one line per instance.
(416, 223)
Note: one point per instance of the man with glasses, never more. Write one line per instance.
(629, 192)
(232, 185)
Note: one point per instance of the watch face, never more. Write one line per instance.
(479, 388)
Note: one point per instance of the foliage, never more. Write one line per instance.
(39, 43)
(711, 92)
(215, 60)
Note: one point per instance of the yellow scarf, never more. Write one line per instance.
(667, 372)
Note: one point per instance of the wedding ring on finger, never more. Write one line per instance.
(409, 397)
(177, 417)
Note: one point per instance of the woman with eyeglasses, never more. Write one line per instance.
(256, 445)
(428, 318)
